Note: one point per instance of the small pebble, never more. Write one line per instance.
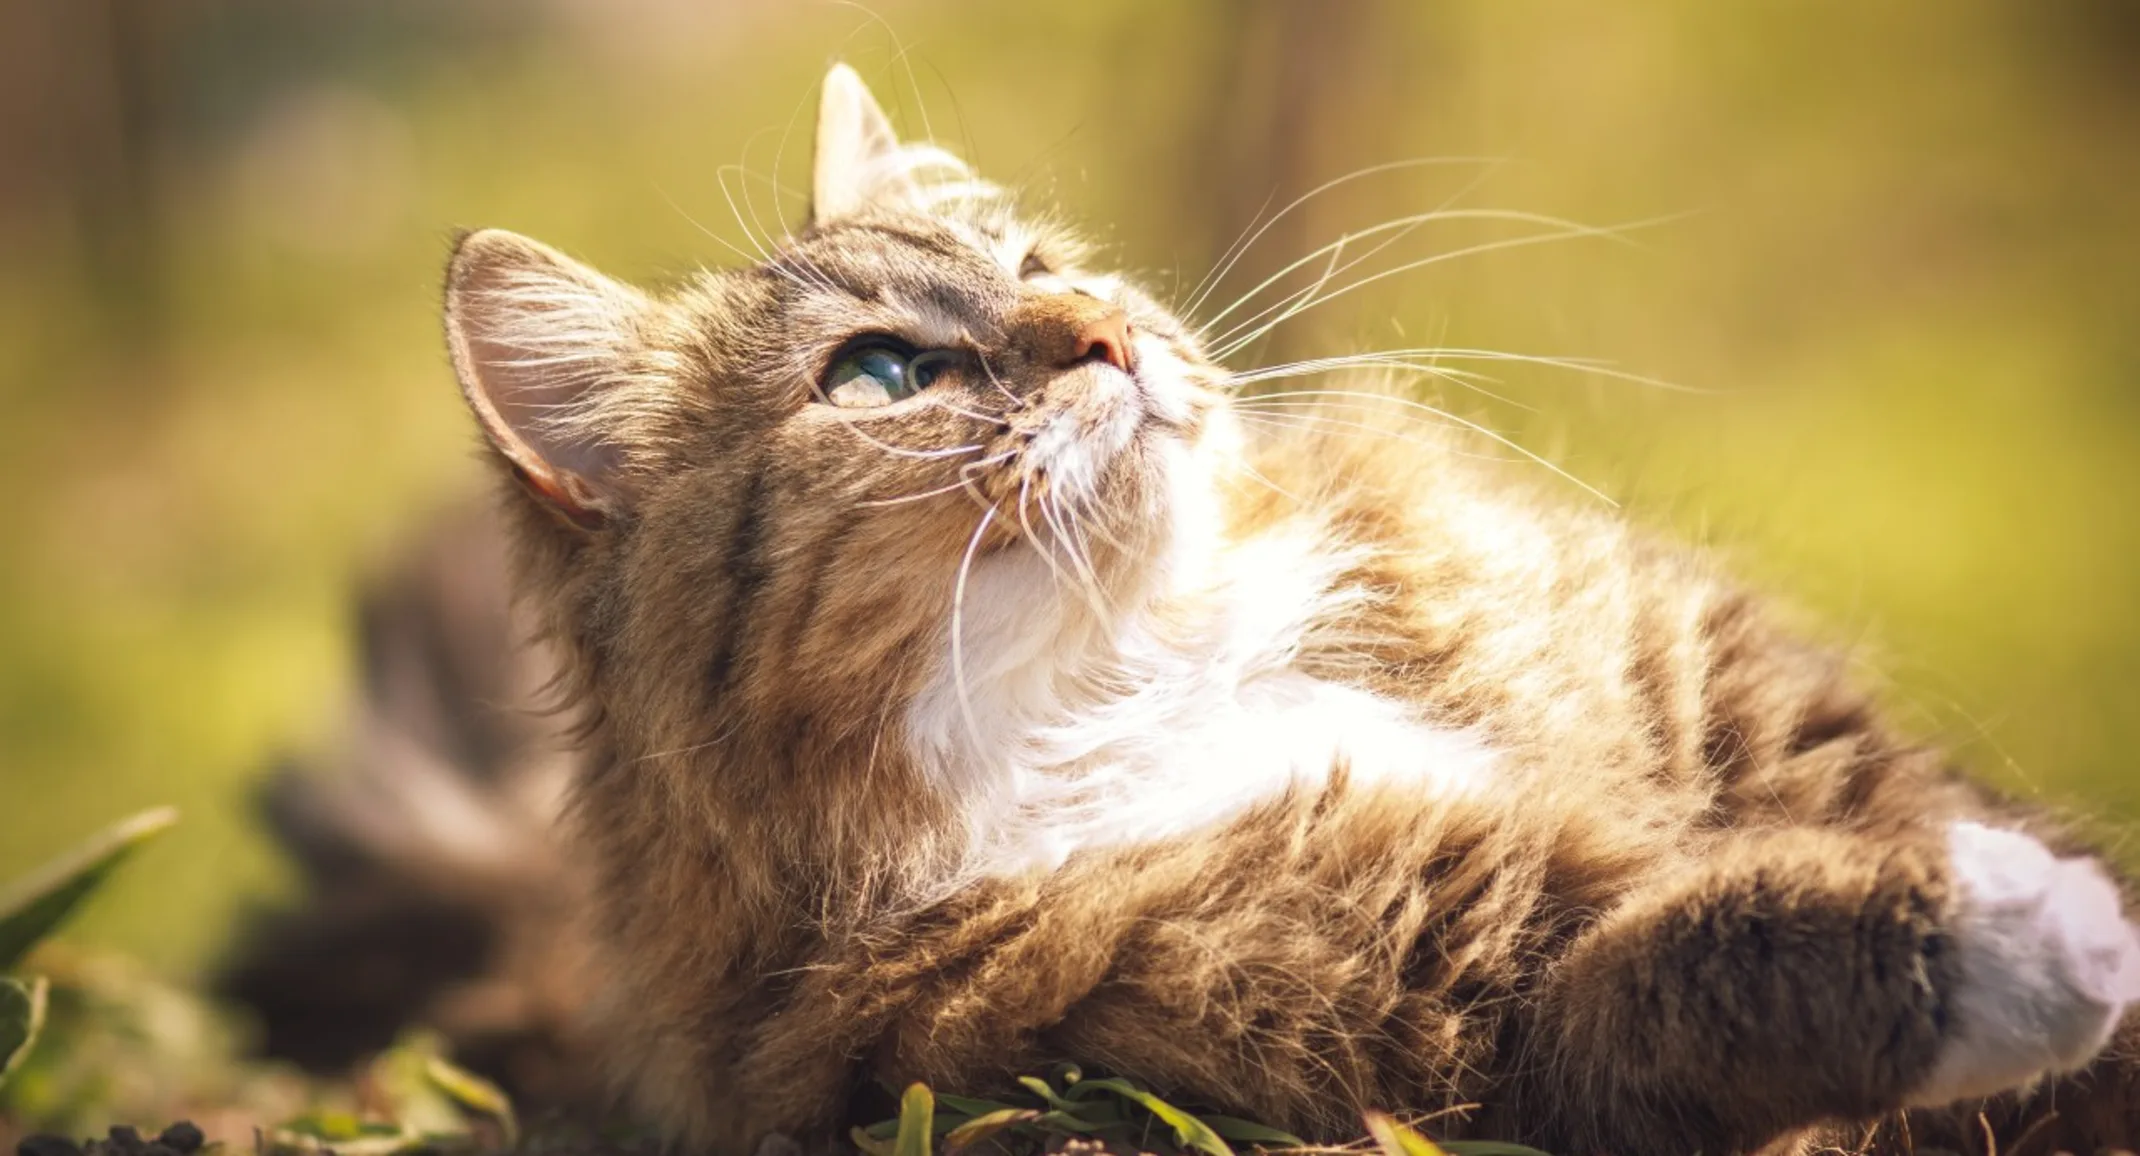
(182, 1136)
(46, 1144)
(127, 1139)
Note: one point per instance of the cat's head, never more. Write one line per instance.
(766, 488)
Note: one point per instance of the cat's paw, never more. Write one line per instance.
(2047, 965)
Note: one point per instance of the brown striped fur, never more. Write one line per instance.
(1705, 904)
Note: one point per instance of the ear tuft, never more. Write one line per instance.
(541, 345)
(857, 150)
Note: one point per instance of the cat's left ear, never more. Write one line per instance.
(545, 350)
(858, 155)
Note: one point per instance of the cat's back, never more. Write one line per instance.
(1517, 606)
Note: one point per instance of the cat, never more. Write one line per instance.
(969, 676)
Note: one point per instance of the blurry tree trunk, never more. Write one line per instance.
(79, 95)
(1280, 94)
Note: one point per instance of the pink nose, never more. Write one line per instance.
(1106, 338)
(1065, 330)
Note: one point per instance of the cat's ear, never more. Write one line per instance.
(857, 150)
(538, 340)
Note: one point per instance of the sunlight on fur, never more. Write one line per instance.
(973, 672)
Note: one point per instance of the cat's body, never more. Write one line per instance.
(1007, 699)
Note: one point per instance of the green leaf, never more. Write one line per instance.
(1065, 1122)
(969, 1106)
(982, 1128)
(870, 1145)
(1250, 1132)
(1504, 1148)
(1189, 1131)
(401, 1078)
(1048, 1096)
(42, 900)
(342, 1133)
(22, 1017)
(917, 1114)
(333, 1126)
(1397, 1140)
(475, 1093)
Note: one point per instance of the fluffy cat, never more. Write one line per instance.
(966, 683)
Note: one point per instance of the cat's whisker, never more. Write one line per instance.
(1465, 379)
(1445, 415)
(1299, 299)
(776, 255)
(1045, 550)
(751, 203)
(720, 177)
(1063, 516)
(1095, 528)
(966, 472)
(958, 617)
(738, 250)
(1051, 511)
(1240, 247)
(1017, 403)
(1293, 302)
(1257, 475)
(988, 419)
(900, 58)
(907, 452)
(1235, 248)
(1240, 336)
(1582, 365)
(1313, 421)
(1401, 226)
(1432, 355)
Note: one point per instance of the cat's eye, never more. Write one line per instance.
(1032, 266)
(874, 375)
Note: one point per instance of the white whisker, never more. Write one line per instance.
(1240, 248)
(1238, 337)
(1401, 226)
(958, 612)
(1320, 365)
(965, 481)
(1445, 415)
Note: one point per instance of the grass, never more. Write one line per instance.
(86, 1039)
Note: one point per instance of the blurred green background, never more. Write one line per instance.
(1903, 268)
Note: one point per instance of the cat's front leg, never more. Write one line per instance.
(1804, 976)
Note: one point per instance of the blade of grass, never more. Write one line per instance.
(1047, 1094)
(983, 1128)
(969, 1106)
(1250, 1132)
(476, 1094)
(917, 1117)
(1397, 1140)
(1189, 1131)
(22, 1018)
(32, 906)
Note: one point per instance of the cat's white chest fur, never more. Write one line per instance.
(1059, 724)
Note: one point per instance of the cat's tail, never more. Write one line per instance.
(434, 891)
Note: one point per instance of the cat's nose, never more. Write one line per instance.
(1106, 338)
(1065, 330)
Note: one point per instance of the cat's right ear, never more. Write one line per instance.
(857, 150)
(538, 340)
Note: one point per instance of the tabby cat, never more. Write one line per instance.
(968, 681)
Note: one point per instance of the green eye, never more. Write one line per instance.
(877, 375)
(867, 377)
